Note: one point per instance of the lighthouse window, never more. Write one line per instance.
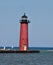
(24, 18)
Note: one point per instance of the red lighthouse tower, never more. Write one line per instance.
(24, 33)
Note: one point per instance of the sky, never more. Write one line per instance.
(40, 14)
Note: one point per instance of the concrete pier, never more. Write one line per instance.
(17, 51)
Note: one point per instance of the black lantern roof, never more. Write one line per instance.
(24, 16)
(24, 19)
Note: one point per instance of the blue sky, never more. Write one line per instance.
(40, 14)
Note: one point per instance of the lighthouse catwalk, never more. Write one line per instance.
(24, 33)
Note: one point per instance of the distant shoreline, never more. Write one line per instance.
(42, 49)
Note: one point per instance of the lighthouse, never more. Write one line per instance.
(23, 42)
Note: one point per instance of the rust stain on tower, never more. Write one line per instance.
(23, 43)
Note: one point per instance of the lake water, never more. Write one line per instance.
(26, 58)
(30, 48)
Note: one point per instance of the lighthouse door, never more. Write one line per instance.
(25, 47)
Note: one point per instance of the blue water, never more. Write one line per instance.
(26, 58)
(30, 48)
(42, 58)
